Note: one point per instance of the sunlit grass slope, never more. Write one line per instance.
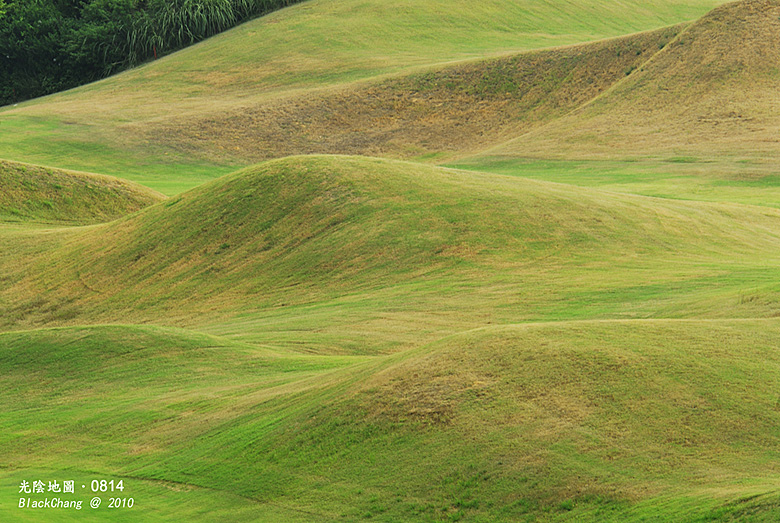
(348, 254)
(101, 127)
(575, 421)
(37, 194)
(703, 114)
(130, 392)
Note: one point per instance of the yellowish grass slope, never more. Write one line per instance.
(713, 93)
(126, 125)
(440, 113)
(347, 254)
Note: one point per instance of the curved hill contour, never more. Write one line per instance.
(348, 338)
(309, 244)
(604, 421)
(714, 92)
(116, 124)
(443, 112)
(32, 193)
(674, 415)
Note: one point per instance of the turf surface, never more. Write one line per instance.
(575, 321)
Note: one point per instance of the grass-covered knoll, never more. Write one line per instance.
(710, 94)
(445, 111)
(39, 194)
(318, 43)
(576, 421)
(103, 401)
(698, 121)
(583, 421)
(347, 254)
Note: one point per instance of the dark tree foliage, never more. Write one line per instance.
(51, 45)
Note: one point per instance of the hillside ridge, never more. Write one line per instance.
(445, 111)
(118, 123)
(713, 91)
(290, 233)
(33, 193)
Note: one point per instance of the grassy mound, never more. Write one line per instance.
(38, 194)
(100, 401)
(606, 421)
(712, 93)
(320, 43)
(585, 421)
(337, 249)
(698, 121)
(591, 421)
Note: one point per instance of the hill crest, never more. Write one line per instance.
(713, 92)
(32, 193)
(303, 230)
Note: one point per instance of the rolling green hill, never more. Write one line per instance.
(340, 337)
(325, 253)
(699, 120)
(432, 115)
(713, 92)
(574, 421)
(122, 391)
(37, 194)
(108, 126)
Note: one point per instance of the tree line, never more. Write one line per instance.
(52, 45)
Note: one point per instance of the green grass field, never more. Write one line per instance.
(696, 121)
(586, 421)
(35, 194)
(275, 302)
(121, 126)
